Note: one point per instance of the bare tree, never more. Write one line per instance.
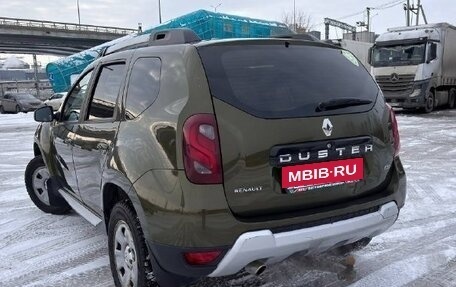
(303, 20)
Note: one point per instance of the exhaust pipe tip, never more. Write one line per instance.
(256, 268)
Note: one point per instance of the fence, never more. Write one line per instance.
(63, 26)
(45, 88)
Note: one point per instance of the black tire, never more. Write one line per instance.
(430, 103)
(18, 109)
(452, 99)
(135, 253)
(2, 110)
(34, 173)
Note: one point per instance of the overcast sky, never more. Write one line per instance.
(128, 13)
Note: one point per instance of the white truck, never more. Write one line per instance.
(359, 49)
(416, 66)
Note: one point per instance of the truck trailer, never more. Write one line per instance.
(416, 66)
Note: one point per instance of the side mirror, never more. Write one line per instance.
(44, 114)
(369, 56)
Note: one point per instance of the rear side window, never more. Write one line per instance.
(281, 80)
(102, 105)
(143, 87)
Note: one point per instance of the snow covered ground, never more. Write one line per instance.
(37, 249)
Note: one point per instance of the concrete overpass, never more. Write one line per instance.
(55, 38)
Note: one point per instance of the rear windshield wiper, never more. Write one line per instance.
(341, 103)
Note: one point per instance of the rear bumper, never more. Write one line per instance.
(169, 234)
(272, 248)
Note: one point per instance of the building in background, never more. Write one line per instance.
(21, 75)
(364, 36)
(13, 63)
(16, 75)
(316, 34)
(13, 68)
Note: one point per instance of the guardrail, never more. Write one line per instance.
(64, 26)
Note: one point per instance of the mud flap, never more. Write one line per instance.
(165, 278)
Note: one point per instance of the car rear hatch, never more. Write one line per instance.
(301, 125)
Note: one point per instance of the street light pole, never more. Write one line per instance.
(418, 13)
(79, 15)
(159, 12)
(408, 13)
(37, 81)
(368, 19)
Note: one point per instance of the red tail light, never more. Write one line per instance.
(201, 150)
(395, 131)
(201, 258)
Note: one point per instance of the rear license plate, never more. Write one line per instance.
(323, 173)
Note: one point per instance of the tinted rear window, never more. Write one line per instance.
(281, 81)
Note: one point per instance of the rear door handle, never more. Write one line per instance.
(102, 146)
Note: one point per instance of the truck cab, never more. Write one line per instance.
(416, 66)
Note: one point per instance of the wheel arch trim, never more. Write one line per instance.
(116, 179)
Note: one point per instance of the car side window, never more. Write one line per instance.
(103, 102)
(143, 87)
(432, 52)
(72, 108)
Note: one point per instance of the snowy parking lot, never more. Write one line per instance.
(38, 249)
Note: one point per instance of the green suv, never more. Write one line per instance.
(202, 158)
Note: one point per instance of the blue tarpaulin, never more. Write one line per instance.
(208, 25)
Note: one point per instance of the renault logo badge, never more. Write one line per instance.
(327, 127)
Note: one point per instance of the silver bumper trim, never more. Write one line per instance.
(272, 248)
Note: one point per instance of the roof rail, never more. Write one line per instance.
(158, 38)
(304, 36)
(174, 36)
(333, 42)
